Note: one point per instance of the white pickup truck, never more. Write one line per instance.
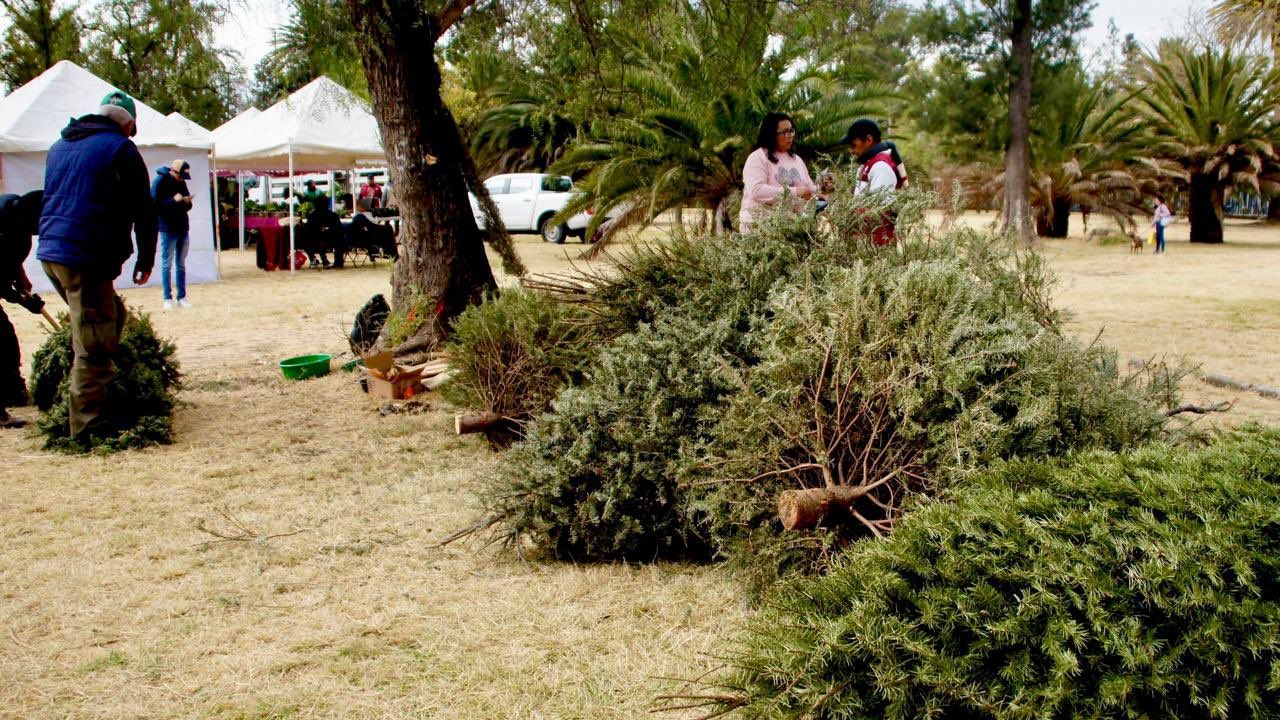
(527, 202)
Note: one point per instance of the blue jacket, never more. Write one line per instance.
(171, 215)
(95, 192)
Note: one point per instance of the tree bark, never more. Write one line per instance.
(1273, 210)
(465, 424)
(1017, 189)
(1205, 211)
(1061, 225)
(804, 509)
(442, 262)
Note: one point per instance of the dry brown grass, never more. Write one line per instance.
(114, 604)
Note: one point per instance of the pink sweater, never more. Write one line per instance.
(763, 182)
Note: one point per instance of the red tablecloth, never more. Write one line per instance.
(273, 251)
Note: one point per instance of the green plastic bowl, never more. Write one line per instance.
(305, 366)
(351, 365)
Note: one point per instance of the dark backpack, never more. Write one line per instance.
(368, 325)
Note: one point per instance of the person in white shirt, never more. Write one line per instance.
(882, 171)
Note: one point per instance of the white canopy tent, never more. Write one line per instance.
(31, 120)
(224, 132)
(322, 126)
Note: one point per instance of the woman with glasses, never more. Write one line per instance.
(773, 172)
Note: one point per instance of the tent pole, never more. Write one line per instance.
(240, 192)
(292, 250)
(217, 216)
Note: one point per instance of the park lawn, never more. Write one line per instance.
(116, 604)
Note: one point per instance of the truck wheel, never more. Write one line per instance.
(552, 232)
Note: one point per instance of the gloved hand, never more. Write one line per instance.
(32, 302)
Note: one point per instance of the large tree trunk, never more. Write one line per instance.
(1017, 189)
(1205, 211)
(442, 262)
(1060, 224)
(1273, 210)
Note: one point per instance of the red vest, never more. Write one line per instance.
(885, 233)
(885, 157)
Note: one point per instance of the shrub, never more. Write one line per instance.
(801, 357)
(140, 395)
(896, 376)
(596, 478)
(513, 353)
(1106, 585)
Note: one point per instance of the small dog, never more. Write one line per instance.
(1135, 244)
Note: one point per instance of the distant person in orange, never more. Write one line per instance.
(372, 192)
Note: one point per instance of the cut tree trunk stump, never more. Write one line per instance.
(804, 509)
(465, 424)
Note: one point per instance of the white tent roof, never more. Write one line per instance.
(193, 129)
(229, 128)
(33, 116)
(323, 124)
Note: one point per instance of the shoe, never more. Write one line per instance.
(8, 421)
(168, 304)
(183, 302)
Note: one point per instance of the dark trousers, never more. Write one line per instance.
(1159, 238)
(97, 320)
(13, 390)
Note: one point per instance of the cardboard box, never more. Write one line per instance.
(380, 367)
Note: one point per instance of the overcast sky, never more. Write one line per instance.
(250, 30)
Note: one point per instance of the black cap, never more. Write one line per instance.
(861, 128)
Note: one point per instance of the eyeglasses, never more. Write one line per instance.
(788, 131)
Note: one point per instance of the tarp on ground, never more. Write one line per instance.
(33, 116)
(323, 124)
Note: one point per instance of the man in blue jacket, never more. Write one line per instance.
(173, 202)
(95, 193)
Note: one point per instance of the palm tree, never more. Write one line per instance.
(1248, 20)
(525, 125)
(1212, 113)
(699, 104)
(1086, 150)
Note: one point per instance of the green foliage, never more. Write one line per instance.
(164, 53)
(39, 35)
(513, 353)
(1130, 585)
(742, 366)
(404, 321)
(904, 374)
(1210, 114)
(140, 395)
(50, 365)
(317, 39)
(595, 478)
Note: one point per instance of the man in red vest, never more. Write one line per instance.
(882, 171)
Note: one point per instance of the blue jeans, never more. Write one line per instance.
(173, 245)
(1159, 238)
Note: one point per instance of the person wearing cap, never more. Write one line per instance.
(882, 171)
(173, 202)
(96, 195)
